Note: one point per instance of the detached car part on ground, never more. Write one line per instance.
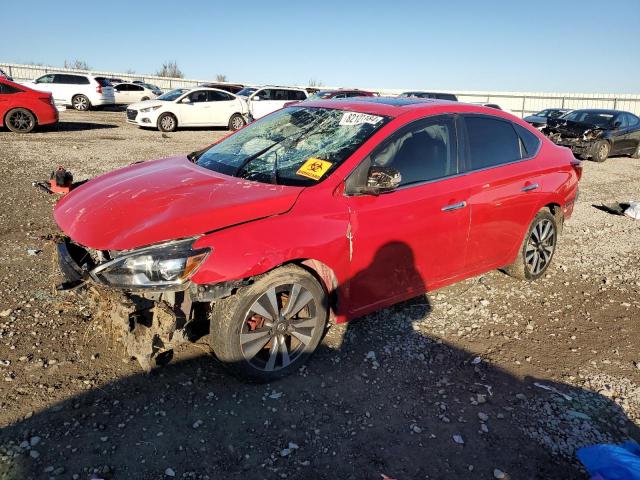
(326, 210)
(596, 134)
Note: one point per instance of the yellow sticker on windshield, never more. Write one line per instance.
(314, 168)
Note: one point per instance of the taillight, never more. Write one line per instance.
(99, 89)
(577, 167)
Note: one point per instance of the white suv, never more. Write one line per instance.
(81, 91)
(269, 99)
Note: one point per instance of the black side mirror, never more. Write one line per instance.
(382, 180)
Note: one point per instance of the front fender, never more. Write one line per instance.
(258, 246)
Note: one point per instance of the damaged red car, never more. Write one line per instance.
(320, 212)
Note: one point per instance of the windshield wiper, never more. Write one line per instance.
(251, 158)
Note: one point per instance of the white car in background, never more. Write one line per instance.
(492, 105)
(132, 93)
(265, 100)
(190, 107)
(79, 90)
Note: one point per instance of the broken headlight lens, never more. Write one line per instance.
(166, 265)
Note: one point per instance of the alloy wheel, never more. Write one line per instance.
(237, 123)
(540, 246)
(80, 103)
(167, 122)
(21, 121)
(278, 327)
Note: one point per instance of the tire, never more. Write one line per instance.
(636, 154)
(81, 103)
(534, 250)
(167, 122)
(601, 150)
(144, 99)
(20, 120)
(236, 122)
(250, 345)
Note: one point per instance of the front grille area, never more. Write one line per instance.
(131, 114)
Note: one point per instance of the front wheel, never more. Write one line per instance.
(167, 122)
(267, 330)
(537, 249)
(20, 120)
(601, 151)
(81, 103)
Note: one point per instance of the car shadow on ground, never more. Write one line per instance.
(66, 126)
(380, 396)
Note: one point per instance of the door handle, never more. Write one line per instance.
(528, 188)
(454, 206)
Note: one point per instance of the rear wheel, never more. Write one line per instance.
(636, 153)
(267, 330)
(236, 122)
(537, 249)
(81, 103)
(167, 122)
(20, 120)
(601, 151)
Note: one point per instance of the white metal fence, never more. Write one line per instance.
(520, 103)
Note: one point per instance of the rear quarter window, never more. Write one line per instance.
(491, 142)
(530, 142)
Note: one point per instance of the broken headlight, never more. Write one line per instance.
(161, 266)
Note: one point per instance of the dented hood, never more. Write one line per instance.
(151, 202)
(569, 128)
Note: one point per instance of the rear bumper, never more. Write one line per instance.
(48, 116)
(103, 101)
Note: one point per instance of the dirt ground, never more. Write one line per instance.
(490, 378)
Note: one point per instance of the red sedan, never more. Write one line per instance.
(22, 109)
(324, 210)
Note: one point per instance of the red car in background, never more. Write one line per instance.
(320, 210)
(22, 109)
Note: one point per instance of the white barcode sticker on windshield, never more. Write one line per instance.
(356, 118)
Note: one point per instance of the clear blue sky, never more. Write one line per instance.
(562, 45)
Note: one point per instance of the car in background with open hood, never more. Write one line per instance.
(596, 133)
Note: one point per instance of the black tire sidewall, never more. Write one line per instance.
(228, 316)
(14, 110)
(175, 122)
(546, 214)
(596, 151)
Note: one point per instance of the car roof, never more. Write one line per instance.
(280, 87)
(397, 106)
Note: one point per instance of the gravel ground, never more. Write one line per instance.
(489, 378)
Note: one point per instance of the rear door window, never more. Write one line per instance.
(8, 89)
(218, 96)
(491, 142)
(198, 96)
